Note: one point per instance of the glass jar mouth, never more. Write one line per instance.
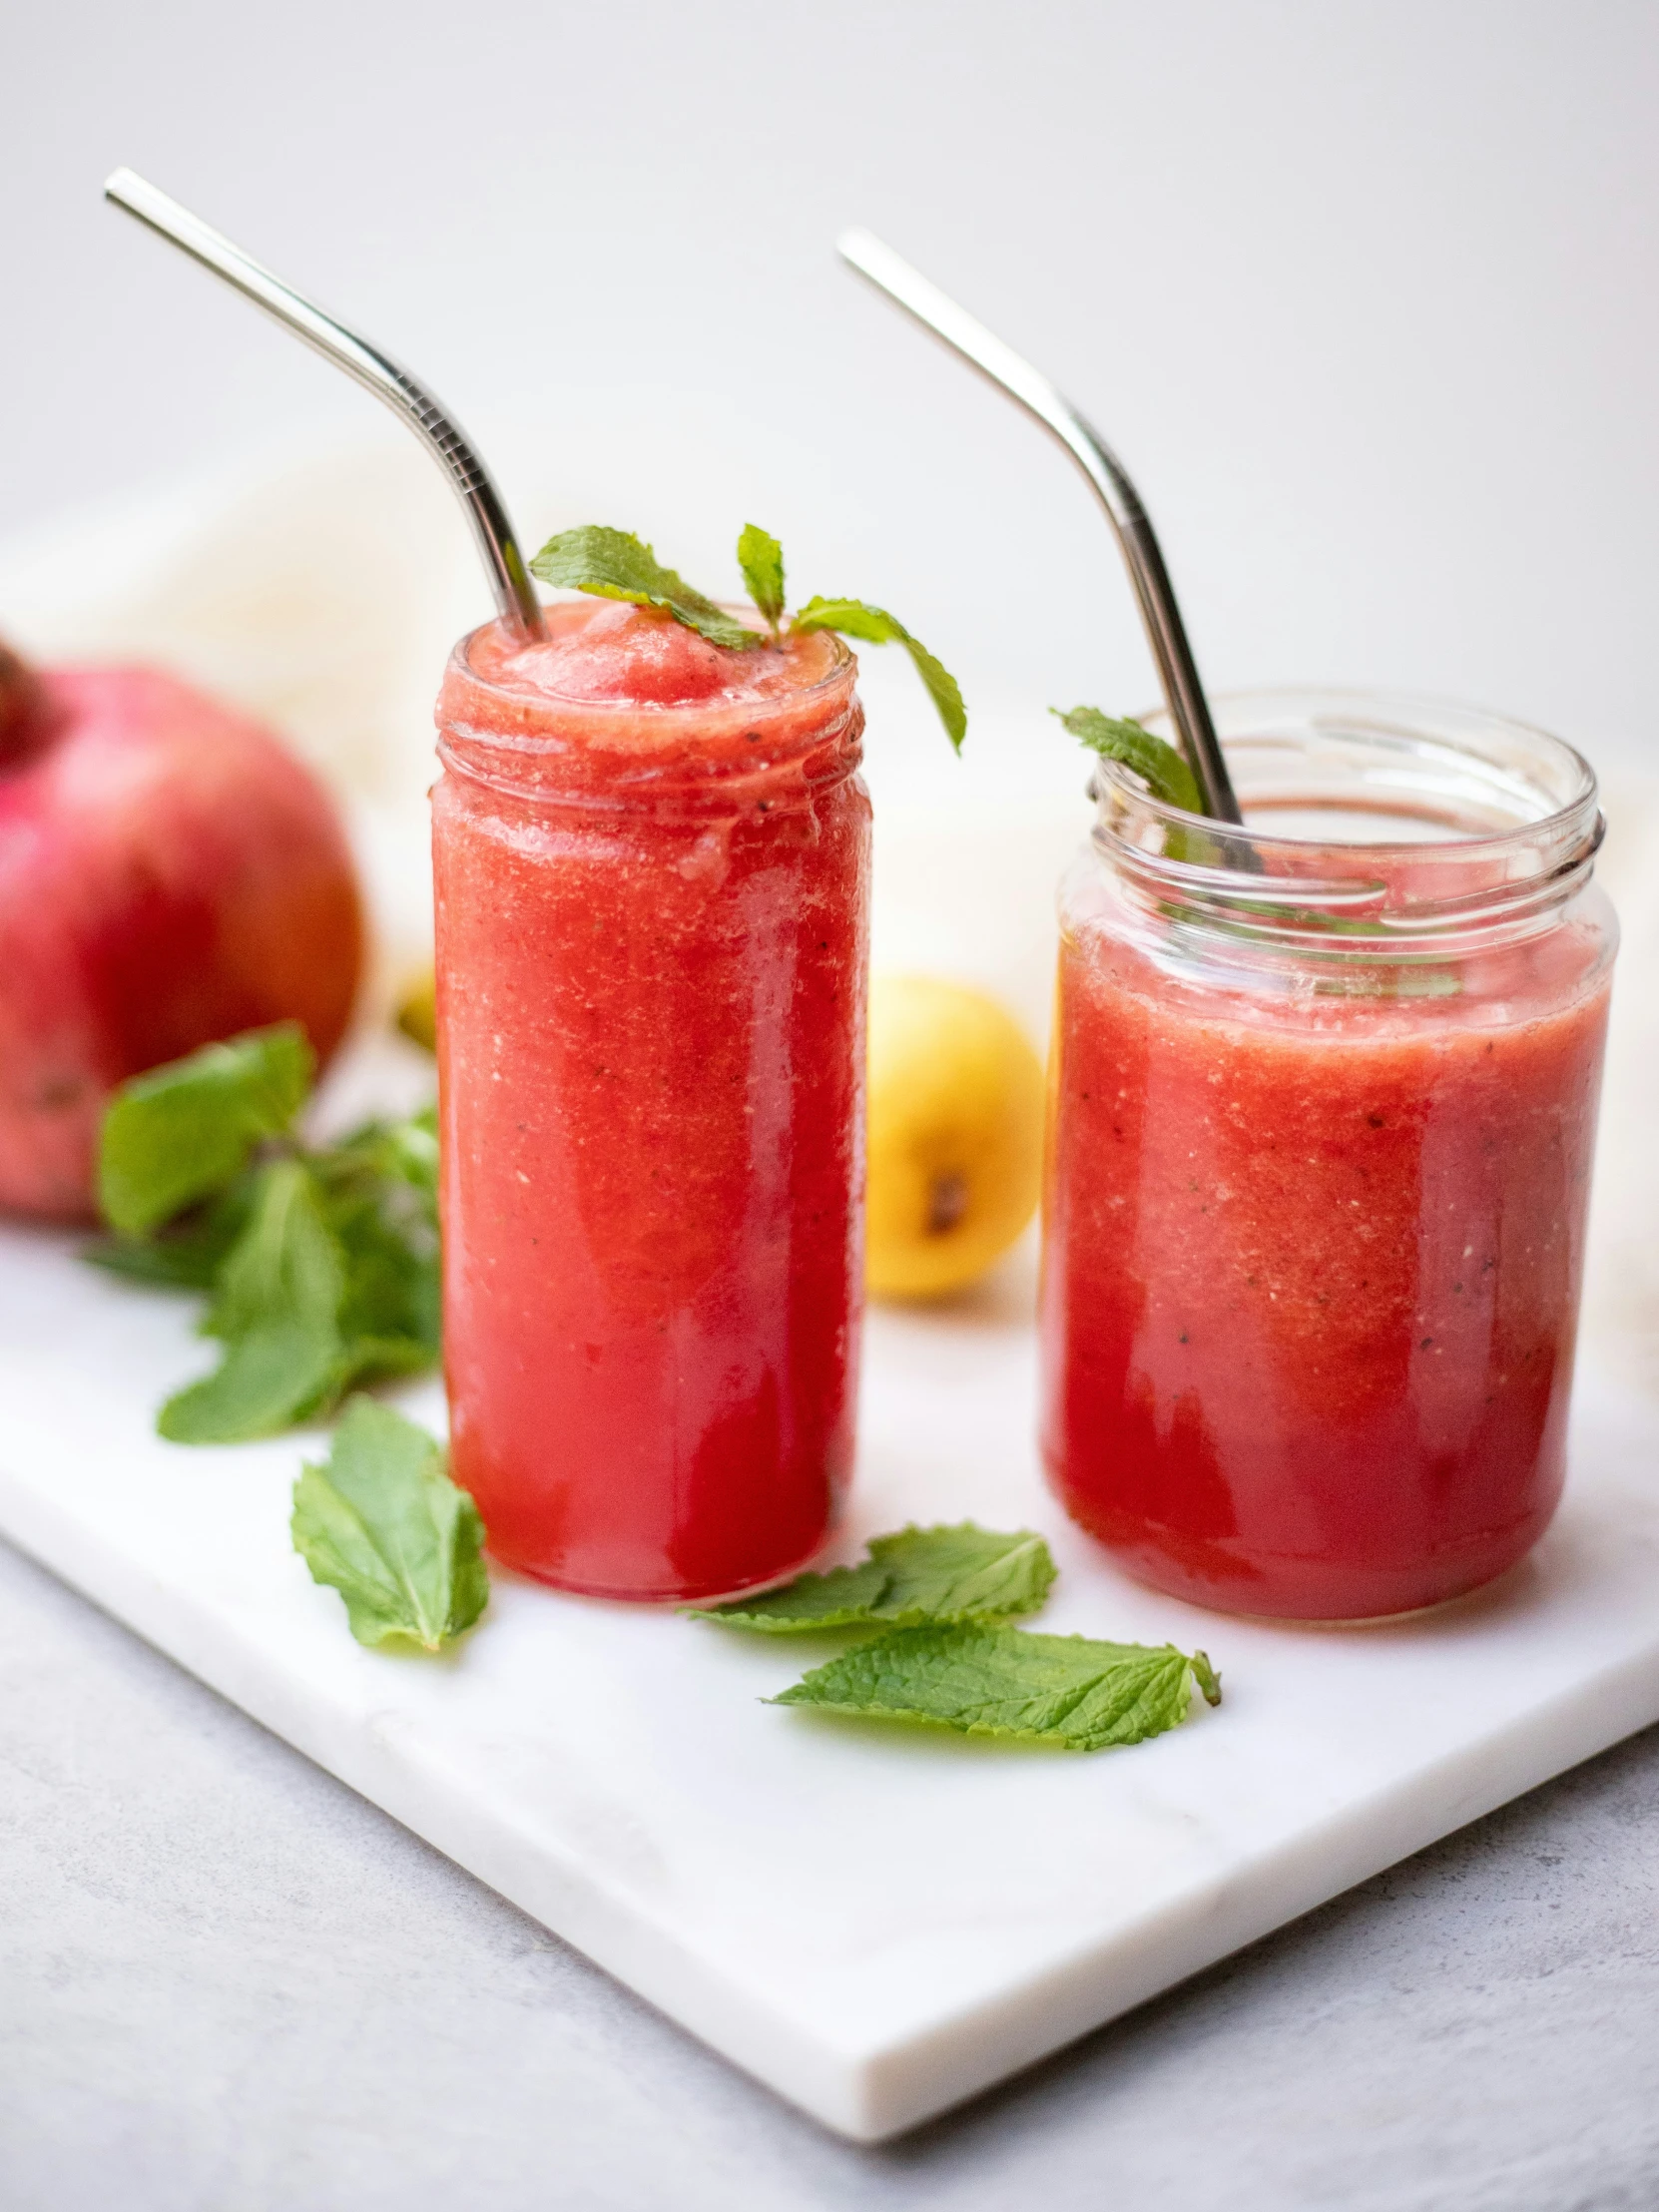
(524, 704)
(1366, 814)
(725, 751)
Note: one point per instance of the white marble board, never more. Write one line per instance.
(875, 1921)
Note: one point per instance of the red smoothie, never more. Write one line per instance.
(1314, 1221)
(652, 877)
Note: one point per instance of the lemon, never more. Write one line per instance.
(956, 1135)
(417, 1010)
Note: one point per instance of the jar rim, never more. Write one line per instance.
(1317, 701)
(672, 718)
(1507, 823)
(710, 754)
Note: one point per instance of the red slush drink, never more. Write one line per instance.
(652, 860)
(1320, 1157)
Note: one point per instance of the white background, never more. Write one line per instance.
(1364, 294)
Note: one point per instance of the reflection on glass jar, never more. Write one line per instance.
(1323, 1108)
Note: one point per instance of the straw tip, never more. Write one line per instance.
(119, 182)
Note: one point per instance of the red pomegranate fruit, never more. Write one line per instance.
(169, 875)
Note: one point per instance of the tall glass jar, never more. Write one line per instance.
(652, 867)
(1323, 1106)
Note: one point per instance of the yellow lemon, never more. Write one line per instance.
(417, 1010)
(956, 1135)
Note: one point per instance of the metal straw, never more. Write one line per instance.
(509, 579)
(1166, 633)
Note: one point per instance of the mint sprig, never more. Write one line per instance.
(1069, 1691)
(321, 1261)
(179, 1132)
(1167, 776)
(853, 618)
(275, 1310)
(616, 565)
(381, 1522)
(761, 558)
(947, 1657)
(941, 1574)
(1159, 766)
(185, 1255)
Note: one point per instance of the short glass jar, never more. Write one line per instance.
(1322, 1107)
(652, 860)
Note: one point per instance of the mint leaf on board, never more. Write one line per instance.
(1158, 765)
(1065, 1690)
(1207, 1677)
(322, 1263)
(761, 558)
(381, 1522)
(275, 1309)
(181, 1132)
(334, 1281)
(853, 618)
(379, 1190)
(614, 564)
(404, 1151)
(187, 1254)
(919, 1574)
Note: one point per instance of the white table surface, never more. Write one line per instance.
(876, 1927)
(226, 1981)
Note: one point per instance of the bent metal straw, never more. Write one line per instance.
(515, 595)
(1155, 594)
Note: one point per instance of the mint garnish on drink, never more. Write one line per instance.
(761, 558)
(321, 1261)
(1159, 766)
(381, 1522)
(614, 564)
(917, 1575)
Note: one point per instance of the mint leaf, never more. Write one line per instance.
(617, 565)
(276, 1310)
(613, 564)
(762, 560)
(187, 1254)
(183, 1131)
(283, 1263)
(919, 1574)
(1158, 765)
(1064, 1690)
(322, 1264)
(272, 1378)
(874, 626)
(165, 1263)
(404, 1151)
(834, 1600)
(379, 1191)
(331, 1278)
(381, 1522)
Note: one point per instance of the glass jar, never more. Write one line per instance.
(1323, 1106)
(652, 945)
